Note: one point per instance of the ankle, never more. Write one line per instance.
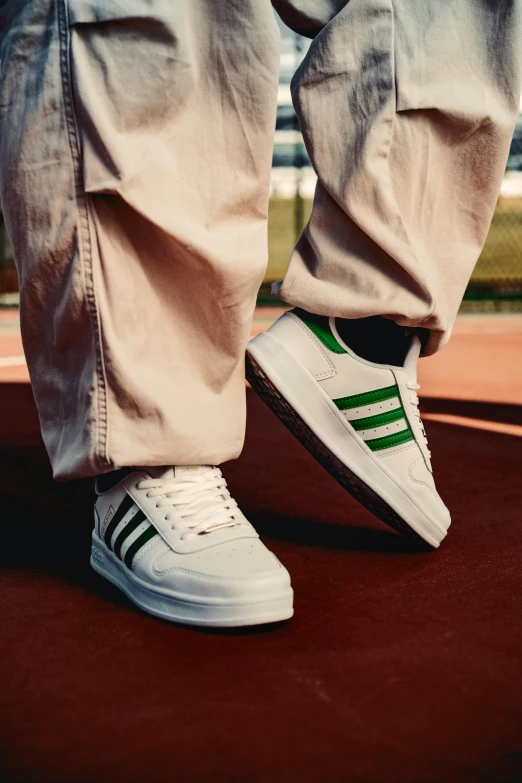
(106, 481)
(375, 339)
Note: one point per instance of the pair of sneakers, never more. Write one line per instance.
(174, 540)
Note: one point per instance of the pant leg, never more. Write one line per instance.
(407, 108)
(135, 155)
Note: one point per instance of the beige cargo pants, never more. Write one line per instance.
(135, 155)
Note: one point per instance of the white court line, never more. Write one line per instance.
(477, 424)
(12, 361)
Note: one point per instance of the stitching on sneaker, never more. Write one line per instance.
(143, 551)
(166, 549)
(101, 424)
(419, 481)
(215, 577)
(392, 452)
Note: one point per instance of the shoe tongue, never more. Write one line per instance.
(177, 471)
(412, 357)
(186, 471)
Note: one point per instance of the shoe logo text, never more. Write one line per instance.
(108, 516)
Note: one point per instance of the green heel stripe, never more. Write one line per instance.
(324, 334)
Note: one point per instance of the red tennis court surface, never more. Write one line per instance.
(400, 666)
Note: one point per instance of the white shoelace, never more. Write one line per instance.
(414, 399)
(198, 504)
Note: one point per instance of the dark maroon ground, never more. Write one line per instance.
(400, 665)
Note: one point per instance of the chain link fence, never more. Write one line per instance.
(8, 276)
(498, 274)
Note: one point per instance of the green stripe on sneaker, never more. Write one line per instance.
(377, 444)
(137, 545)
(324, 334)
(379, 420)
(129, 528)
(367, 398)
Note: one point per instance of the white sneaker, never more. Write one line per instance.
(176, 543)
(359, 419)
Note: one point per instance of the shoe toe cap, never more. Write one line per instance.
(427, 495)
(240, 568)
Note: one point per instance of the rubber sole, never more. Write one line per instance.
(279, 380)
(185, 609)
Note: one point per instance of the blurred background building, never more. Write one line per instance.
(496, 284)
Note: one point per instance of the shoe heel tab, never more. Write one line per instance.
(324, 330)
